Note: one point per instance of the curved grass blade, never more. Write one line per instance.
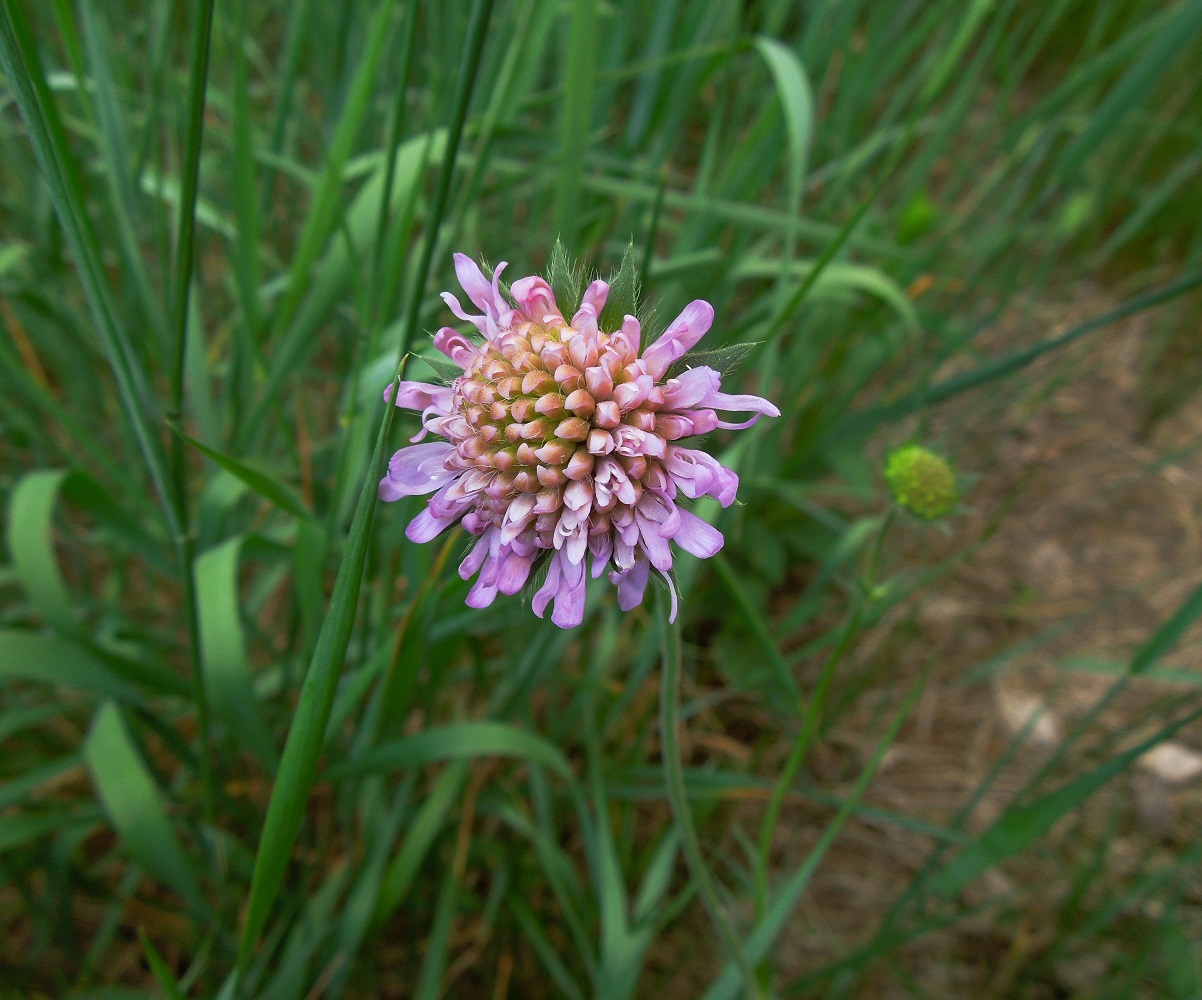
(162, 974)
(49, 659)
(459, 741)
(134, 804)
(31, 544)
(223, 650)
(797, 105)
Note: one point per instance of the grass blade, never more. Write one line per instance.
(678, 796)
(135, 805)
(223, 650)
(459, 741)
(1020, 826)
(298, 765)
(19, 60)
(263, 484)
(31, 545)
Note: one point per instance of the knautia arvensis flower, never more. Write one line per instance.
(562, 440)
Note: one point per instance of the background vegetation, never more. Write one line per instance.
(223, 223)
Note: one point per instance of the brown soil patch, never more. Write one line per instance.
(1079, 538)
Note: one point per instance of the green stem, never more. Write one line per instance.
(678, 796)
(465, 84)
(185, 544)
(797, 757)
(874, 564)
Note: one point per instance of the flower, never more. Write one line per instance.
(561, 440)
(921, 481)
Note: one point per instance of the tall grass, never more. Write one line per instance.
(248, 721)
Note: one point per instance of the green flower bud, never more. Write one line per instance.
(921, 481)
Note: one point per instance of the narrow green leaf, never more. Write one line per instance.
(1168, 634)
(246, 202)
(776, 916)
(438, 943)
(678, 797)
(575, 115)
(135, 805)
(857, 423)
(547, 953)
(419, 838)
(1020, 826)
(223, 650)
(322, 219)
(263, 484)
(22, 67)
(1135, 84)
(796, 98)
(163, 975)
(20, 828)
(459, 741)
(298, 765)
(31, 544)
(51, 659)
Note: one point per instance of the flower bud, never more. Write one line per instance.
(921, 482)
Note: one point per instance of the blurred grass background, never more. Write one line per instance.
(948, 222)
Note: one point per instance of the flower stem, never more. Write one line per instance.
(788, 775)
(669, 711)
(185, 544)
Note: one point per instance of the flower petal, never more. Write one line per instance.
(455, 346)
(422, 396)
(478, 287)
(632, 584)
(697, 537)
(535, 298)
(417, 470)
(676, 341)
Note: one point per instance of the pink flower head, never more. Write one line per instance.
(562, 441)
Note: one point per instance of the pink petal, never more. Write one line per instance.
(569, 600)
(417, 470)
(591, 305)
(676, 341)
(475, 558)
(742, 403)
(654, 544)
(632, 584)
(697, 537)
(422, 396)
(690, 388)
(515, 570)
(455, 346)
(536, 299)
(478, 287)
(426, 527)
(482, 594)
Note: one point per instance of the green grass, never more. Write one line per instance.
(253, 742)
